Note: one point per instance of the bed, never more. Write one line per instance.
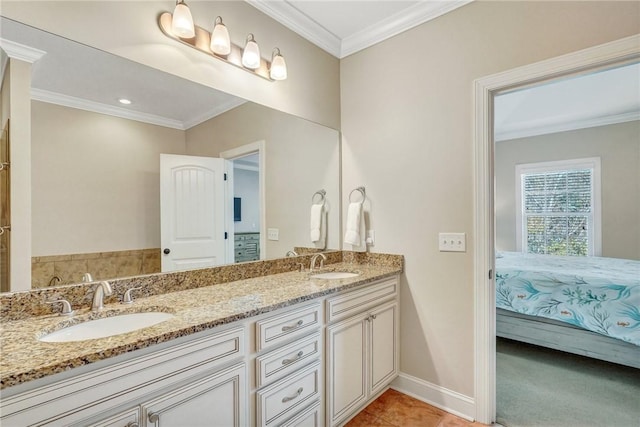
(583, 305)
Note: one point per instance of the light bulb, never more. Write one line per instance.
(251, 54)
(220, 42)
(278, 69)
(182, 21)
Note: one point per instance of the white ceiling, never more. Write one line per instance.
(68, 72)
(596, 99)
(346, 27)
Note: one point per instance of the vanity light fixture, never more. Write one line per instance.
(220, 41)
(179, 26)
(278, 69)
(251, 54)
(182, 22)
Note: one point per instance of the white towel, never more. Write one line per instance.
(316, 222)
(354, 217)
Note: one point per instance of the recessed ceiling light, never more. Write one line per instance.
(124, 101)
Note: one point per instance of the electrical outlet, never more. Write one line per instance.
(452, 242)
(273, 234)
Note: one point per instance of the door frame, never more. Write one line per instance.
(585, 61)
(244, 150)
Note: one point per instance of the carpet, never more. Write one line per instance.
(537, 386)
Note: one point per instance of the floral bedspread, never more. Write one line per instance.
(598, 294)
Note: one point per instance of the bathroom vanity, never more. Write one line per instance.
(283, 349)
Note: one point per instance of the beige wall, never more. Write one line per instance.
(407, 123)
(18, 107)
(301, 158)
(130, 29)
(96, 181)
(617, 146)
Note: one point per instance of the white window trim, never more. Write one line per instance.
(595, 248)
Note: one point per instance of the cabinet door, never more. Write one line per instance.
(346, 365)
(217, 400)
(383, 348)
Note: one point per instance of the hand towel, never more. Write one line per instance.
(354, 216)
(316, 222)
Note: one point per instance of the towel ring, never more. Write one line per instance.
(362, 192)
(320, 193)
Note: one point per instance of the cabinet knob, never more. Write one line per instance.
(290, 398)
(153, 417)
(166, 251)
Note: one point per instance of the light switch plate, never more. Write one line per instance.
(273, 234)
(452, 242)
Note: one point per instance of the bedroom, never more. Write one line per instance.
(568, 261)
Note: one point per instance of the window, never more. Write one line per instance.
(558, 207)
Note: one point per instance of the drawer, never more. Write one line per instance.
(348, 304)
(128, 418)
(311, 417)
(287, 397)
(286, 326)
(279, 363)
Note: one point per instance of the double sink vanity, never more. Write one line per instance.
(254, 344)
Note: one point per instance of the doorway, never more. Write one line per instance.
(587, 61)
(247, 178)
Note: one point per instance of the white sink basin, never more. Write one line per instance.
(106, 327)
(334, 275)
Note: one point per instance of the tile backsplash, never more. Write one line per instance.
(66, 269)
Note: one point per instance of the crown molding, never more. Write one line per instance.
(300, 23)
(245, 167)
(125, 113)
(306, 27)
(20, 51)
(97, 107)
(219, 109)
(398, 23)
(553, 126)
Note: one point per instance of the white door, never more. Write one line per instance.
(192, 212)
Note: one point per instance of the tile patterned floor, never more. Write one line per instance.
(394, 409)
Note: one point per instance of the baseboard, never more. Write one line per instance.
(435, 395)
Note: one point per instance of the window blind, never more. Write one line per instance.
(557, 211)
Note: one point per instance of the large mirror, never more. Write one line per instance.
(95, 166)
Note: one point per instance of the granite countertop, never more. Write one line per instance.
(25, 358)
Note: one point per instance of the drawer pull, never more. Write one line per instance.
(293, 359)
(132, 424)
(288, 328)
(153, 417)
(290, 398)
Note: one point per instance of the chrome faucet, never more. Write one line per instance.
(315, 258)
(86, 278)
(102, 289)
(291, 253)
